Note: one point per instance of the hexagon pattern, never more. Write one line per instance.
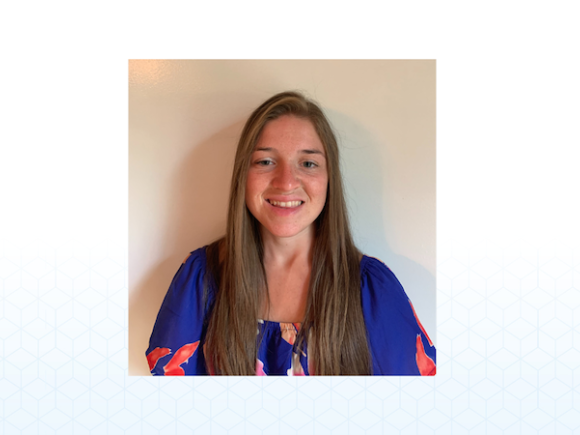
(508, 356)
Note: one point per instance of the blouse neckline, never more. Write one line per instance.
(263, 321)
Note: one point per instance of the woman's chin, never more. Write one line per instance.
(286, 232)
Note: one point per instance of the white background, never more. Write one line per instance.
(185, 119)
(507, 211)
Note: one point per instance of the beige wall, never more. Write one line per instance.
(184, 121)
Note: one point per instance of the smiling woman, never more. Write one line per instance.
(286, 291)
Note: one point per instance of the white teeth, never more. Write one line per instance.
(288, 204)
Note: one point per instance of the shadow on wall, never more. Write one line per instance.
(197, 212)
(371, 220)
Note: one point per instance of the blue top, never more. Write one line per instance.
(397, 341)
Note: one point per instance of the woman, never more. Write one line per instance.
(286, 291)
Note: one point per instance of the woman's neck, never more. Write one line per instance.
(288, 264)
(281, 251)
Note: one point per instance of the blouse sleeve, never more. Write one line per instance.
(179, 328)
(398, 342)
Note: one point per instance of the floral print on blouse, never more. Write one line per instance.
(398, 342)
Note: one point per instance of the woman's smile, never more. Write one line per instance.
(284, 209)
(289, 204)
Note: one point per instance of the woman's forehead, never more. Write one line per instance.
(290, 133)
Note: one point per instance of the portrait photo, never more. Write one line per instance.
(297, 193)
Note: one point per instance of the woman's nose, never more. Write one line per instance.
(285, 178)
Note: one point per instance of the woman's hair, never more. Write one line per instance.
(333, 328)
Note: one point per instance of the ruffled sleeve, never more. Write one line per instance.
(398, 342)
(174, 346)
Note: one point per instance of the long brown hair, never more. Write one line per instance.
(333, 326)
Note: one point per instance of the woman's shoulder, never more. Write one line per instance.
(196, 257)
(203, 258)
(383, 295)
(189, 284)
(366, 262)
(378, 278)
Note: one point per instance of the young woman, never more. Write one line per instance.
(286, 291)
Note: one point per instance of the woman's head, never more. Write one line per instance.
(254, 179)
(287, 179)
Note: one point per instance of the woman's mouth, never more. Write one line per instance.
(288, 204)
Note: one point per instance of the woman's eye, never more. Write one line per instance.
(310, 164)
(264, 162)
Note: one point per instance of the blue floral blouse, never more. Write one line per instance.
(398, 342)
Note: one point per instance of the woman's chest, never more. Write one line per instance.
(288, 295)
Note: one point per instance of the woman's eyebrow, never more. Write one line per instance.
(306, 151)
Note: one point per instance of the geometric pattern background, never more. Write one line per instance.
(508, 356)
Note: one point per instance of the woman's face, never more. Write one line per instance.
(288, 178)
